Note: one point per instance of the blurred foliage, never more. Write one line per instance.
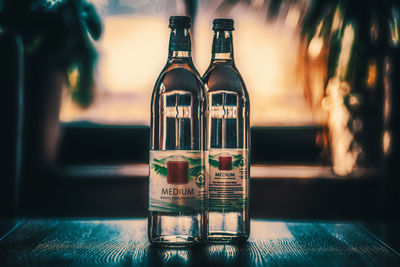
(356, 36)
(60, 32)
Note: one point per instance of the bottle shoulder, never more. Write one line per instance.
(224, 77)
(179, 76)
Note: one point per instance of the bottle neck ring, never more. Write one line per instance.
(180, 54)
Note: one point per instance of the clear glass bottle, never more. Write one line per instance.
(227, 141)
(177, 185)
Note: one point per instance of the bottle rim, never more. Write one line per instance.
(223, 24)
(179, 22)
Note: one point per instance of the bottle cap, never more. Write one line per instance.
(223, 25)
(180, 22)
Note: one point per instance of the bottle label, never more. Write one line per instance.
(228, 179)
(177, 181)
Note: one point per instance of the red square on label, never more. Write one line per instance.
(177, 172)
(225, 163)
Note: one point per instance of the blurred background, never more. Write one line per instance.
(323, 78)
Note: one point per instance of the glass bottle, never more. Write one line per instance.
(227, 141)
(177, 185)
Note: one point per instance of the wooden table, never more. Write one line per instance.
(77, 242)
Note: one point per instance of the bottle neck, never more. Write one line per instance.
(180, 44)
(222, 48)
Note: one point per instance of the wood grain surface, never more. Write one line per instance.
(69, 242)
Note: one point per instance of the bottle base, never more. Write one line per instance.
(226, 237)
(175, 241)
(176, 229)
(228, 227)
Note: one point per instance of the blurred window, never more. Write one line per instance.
(133, 50)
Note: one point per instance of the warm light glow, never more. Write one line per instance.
(346, 48)
(257, 4)
(344, 156)
(387, 102)
(73, 77)
(344, 149)
(386, 142)
(354, 100)
(371, 79)
(133, 50)
(314, 59)
(266, 56)
(314, 49)
(292, 18)
(337, 20)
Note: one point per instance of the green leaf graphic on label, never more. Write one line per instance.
(238, 161)
(194, 162)
(160, 161)
(214, 163)
(161, 170)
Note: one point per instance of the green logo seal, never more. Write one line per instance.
(200, 180)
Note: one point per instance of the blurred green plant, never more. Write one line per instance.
(60, 32)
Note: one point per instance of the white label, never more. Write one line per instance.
(177, 181)
(228, 179)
